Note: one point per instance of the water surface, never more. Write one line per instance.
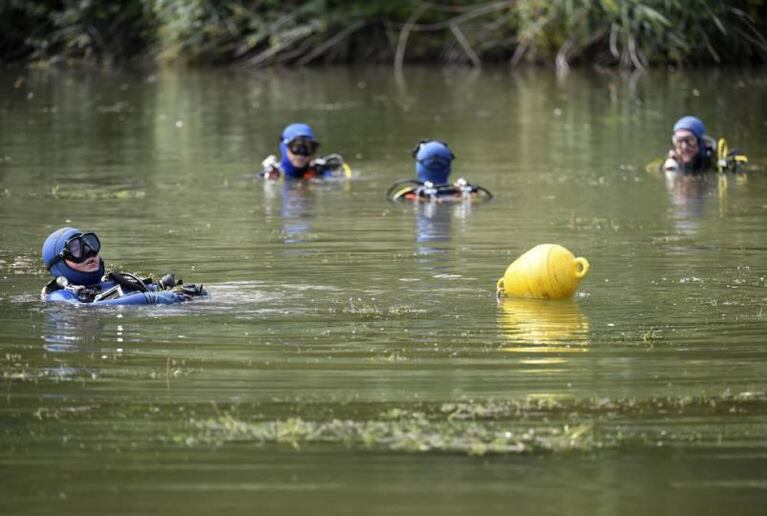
(352, 357)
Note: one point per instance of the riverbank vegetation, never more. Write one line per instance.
(623, 33)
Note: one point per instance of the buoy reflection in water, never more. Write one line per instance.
(540, 326)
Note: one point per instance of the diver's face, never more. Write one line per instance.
(299, 161)
(301, 150)
(685, 146)
(91, 264)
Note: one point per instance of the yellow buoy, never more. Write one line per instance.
(547, 271)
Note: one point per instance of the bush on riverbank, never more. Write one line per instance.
(628, 33)
(100, 30)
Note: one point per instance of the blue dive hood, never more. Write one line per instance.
(53, 246)
(433, 161)
(290, 133)
(696, 127)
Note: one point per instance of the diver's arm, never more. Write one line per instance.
(132, 298)
(62, 296)
(145, 298)
(165, 297)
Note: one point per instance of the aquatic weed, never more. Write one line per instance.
(93, 194)
(533, 425)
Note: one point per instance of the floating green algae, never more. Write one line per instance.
(57, 192)
(411, 433)
(534, 425)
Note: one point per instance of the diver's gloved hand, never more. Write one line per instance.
(271, 168)
(188, 292)
(182, 296)
(191, 290)
(170, 284)
(670, 165)
(325, 165)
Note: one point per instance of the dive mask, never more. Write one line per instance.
(302, 146)
(79, 248)
(690, 140)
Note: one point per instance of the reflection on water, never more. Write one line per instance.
(691, 195)
(297, 205)
(543, 326)
(434, 223)
(70, 333)
(68, 329)
(688, 193)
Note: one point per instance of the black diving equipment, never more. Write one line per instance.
(412, 189)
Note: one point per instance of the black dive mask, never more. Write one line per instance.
(79, 248)
(302, 146)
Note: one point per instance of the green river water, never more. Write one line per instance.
(352, 358)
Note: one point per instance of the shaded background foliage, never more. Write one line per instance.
(45, 31)
(627, 33)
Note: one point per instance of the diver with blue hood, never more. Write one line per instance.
(298, 148)
(73, 259)
(696, 151)
(433, 164)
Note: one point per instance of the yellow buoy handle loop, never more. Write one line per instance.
(499, 287)
(583, 268)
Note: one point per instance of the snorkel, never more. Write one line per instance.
(433, 161)
(290, 133)
(52, 251)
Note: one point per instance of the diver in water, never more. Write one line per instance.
(433, 164)
(73, 259)
(696, 151)
(298, 148)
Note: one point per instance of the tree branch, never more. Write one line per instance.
(473, 57)
(327, 45)
(399, 55)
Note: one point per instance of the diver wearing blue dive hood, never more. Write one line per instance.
(433, 164)
(73, 259)
(696, 151)
(298, 147)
